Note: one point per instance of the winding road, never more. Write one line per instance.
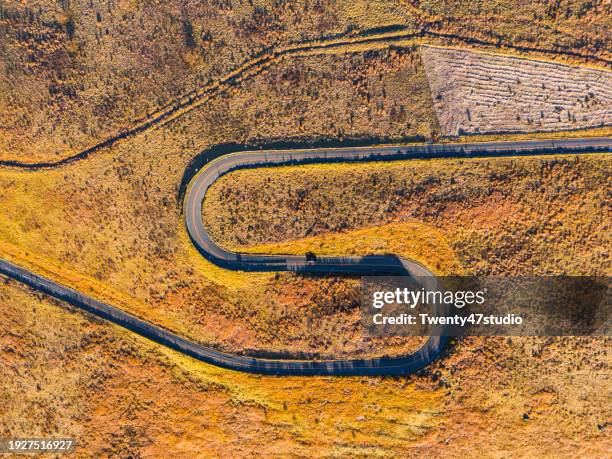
(365, 265)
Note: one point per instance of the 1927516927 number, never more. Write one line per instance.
(36, 445)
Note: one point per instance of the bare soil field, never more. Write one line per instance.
(478, 93)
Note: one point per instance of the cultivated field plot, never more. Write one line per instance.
(483, 93)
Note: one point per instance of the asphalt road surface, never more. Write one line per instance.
(366, 265)
(347, 265)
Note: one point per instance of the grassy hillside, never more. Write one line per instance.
(76, 72)
(112, 226)
(538, 215)
(118, 394)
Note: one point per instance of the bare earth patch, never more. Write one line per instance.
(484, 93)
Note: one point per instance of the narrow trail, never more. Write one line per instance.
(262, 61)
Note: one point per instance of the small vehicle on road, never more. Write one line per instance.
(311, 258)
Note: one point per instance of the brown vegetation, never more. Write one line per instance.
(75, 72)
(78, 71)
(67, 375)
(120, 395)
(112, 225)
(506, 216)
(378, 94)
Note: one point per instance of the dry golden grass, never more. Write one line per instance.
(596, 132)
(565, 25)
(94, 67)
(112, 226)
(411, 239)
(119, 394)
(537, 215)
(377, 94)
(75, 73)
(510, 216)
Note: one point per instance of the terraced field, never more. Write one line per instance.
(483, 93)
